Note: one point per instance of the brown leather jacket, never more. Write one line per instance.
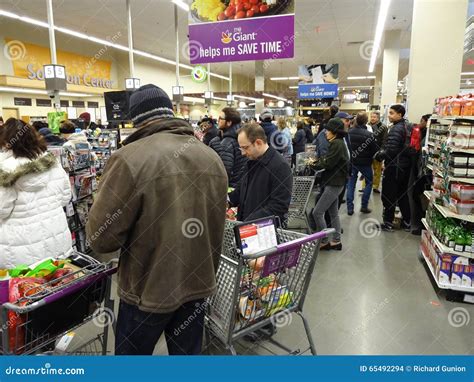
(162, 201)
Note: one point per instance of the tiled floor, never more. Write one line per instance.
(373, 297)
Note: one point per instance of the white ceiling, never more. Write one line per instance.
(324, 29)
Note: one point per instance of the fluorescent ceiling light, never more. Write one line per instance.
(44, 92)
(283, 78)
(181, 4)
(292, 87)
(357, 87)
(250, 98)
(384, 6)
(97, 40)
(273, 96)
(467, 73)
(193, 99)
(360, 77)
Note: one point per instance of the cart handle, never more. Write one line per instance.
(63, 292)
(284, 247)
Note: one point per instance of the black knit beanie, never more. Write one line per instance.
(149, 102)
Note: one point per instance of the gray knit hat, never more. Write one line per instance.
(266, 114)
(150, 102)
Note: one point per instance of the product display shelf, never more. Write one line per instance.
(453, 117)
(457, 288)
(446, 212)
(443, 248)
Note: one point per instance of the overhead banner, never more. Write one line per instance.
(241, 30)
(318, 81)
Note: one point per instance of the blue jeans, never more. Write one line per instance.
(139, 331)
(367, 173)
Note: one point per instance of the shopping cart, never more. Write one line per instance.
(254, 291)
(53, 310)
(302, 187)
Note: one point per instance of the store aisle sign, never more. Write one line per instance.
(227, 32)
(79, 70)
(312, 91)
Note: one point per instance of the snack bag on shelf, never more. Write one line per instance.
(457, 273)
(468, 276)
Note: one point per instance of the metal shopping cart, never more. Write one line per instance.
(50, 311)
(261, 289)
(302, 187)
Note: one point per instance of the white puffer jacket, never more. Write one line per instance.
(33, 224)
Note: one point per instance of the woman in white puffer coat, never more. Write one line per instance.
(34, 188)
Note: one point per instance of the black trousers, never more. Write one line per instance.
(395, 191)
(138, 332)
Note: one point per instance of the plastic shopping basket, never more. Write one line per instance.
(265, 288)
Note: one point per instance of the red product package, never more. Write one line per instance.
(20, 287)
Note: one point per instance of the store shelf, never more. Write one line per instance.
(453, 117)
(462, 180)
(461, 150)
(446, 212)
(443, 248)
(440, 285)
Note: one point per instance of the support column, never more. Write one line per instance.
(259, 85)
(435, 68)
(377, 91)
(391, 59)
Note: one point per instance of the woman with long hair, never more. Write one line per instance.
(34, 188)
(286, 134)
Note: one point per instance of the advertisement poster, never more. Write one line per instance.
(241, 30)
(318, 81)
(356, 96)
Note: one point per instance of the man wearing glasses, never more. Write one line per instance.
(226, 145)
(265, 189)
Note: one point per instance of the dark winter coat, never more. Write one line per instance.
(299, 141)
(265, 189)
(210, 135)
(335, 164)
(363, 146)
(227, 147)
(395, 146)
(380, 133)
(50, 138)
(309, 133)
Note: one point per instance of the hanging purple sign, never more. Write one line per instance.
(242, 30)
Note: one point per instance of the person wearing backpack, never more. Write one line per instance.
(397, 156)
(227, 147)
